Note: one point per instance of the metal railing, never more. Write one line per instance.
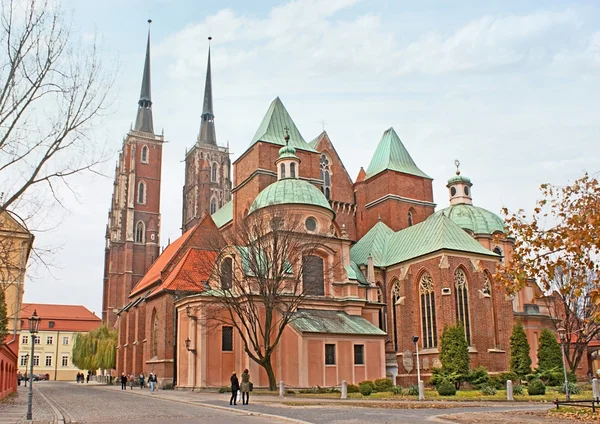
(592, 403)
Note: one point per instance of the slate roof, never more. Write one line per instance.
(333, 322)
(290, 191)
(473, 218)
(272, 128)
(392, 155)
(224, 215)
(436, 233)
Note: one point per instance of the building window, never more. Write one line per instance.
(381, 311)
(282, 169)
(226, 274)
(213, 172)
(213, 206)
(428, 322)
(141, 197)
(359, 354)
(329, 354)
(326, 175)
(155, 336)
(313, 280)
(25, 340)
(498, 252)
(145, 154)
(395, 296)
(461, 296)
(227, 339)
(24, 359)
(410, 219)
(311, 224)
(49, 340)
(487, 290)
(65, 340)
(36, 360)
(37, 340)
(139, 232)
(50, 324)
(293, 170)
(65, 361)
(48, 360)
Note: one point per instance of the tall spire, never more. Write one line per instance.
(207, 125)
(143, 121)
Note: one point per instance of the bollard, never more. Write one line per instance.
(509, 390)
(596, 388)
(344, 390)
(421, 390)
(281, 389)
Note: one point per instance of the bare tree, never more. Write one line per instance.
(51, 91)
(268, 270)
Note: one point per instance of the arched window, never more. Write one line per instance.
(498, 252)
(488, 290)
(139, 232)
(292, 170)
(226, 274)
(395, 297)
(213, 172)
(313, 280)
(410, 219)
(141, 197)
(155, 335)
(462, 302)
(213, 206)
(145, 154)
(282, 167)
(428, 322)
(326, 175)
(381, 311)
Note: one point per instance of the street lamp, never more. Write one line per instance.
(415, 340)
(34, 326)
(562, 333)
(188, 343)
(26, 361)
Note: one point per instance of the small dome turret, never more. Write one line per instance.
(287, 163)
(459, 188)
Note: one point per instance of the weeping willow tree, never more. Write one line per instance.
(96, 349)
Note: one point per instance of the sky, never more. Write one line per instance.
(509, 88)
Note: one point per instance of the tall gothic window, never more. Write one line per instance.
(226, 274)
(326, 175)
(313, 278)
(145, 154)
(410, 219)
(155, 335)
(139, 232)
(487, 289)
(213, 172)
(282, 166)
(141, 192)
(213, 206)
(381, 311)
(428, 322)
(462, 302)
(292, 170)
(395, 296)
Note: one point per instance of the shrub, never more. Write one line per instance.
(487, 389)
(383, 385)
(365, 389)
(454, 352)
(574, 389)
(412, 390)
(368, 382)
(446, 388)
(290, 392)
(520, 362)
(224, 389)
(352, 388)
(479, 377)
(440, 374)
(518, 389)
(397, 390)
(536, 387)
(499, 380)
(551, 377)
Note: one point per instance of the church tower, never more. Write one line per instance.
(207, 184)
(132, 233)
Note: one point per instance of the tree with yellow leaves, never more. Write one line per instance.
(558, 247)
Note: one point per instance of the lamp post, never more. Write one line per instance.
(26, 362)
(563, 339)
(415, 340)
(34, 325)
(188, 345)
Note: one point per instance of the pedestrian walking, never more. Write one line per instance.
(142, 378)
(152, 381)
(235, 386)
(19, 378)
(131, 381)
(246, 387)
(123, 381)
(87, 379)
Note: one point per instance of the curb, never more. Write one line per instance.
(224, 408)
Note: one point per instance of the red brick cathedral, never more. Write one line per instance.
(404, 269)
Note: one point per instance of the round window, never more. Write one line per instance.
(466, 191)
(311, 224)
(453, 191)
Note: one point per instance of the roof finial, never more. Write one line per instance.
(287, 135)
(457, 163)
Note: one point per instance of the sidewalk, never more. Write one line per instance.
(15, 409)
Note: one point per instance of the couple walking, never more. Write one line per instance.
(245, 387)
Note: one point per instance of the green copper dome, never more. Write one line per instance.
(290, 191)
(459, 179)
(474, 219)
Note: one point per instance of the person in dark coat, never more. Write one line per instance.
(245, 387)
(235, 386)
(123, 381)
